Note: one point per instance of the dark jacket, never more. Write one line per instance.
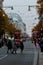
(9, 44)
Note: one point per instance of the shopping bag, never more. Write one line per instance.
(37, 45)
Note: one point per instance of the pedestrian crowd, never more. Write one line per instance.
(11, 45)
(38, 40)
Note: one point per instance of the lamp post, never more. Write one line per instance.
(1, 5)
(32, 6)
(11, 7)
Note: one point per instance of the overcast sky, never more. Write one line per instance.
(21, 8)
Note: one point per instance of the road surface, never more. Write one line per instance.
(26, 58)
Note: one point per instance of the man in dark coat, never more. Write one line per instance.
(21, 45)
(41, 44)
(9, 45)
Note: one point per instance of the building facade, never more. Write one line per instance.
(17, 22)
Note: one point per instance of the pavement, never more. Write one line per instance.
(38, 60)
(41, 58)
(28, 57)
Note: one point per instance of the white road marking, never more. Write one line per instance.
(35, 58)
(37, 51)
(3, 57)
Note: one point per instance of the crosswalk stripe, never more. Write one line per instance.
(3, 57)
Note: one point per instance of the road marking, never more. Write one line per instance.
(35, 58)
(3, 57)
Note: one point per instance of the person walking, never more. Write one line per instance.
(9, 46)
(21, 45)
(41, 44)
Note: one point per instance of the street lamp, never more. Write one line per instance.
(32, 6)
(1, 5)
(8, 7)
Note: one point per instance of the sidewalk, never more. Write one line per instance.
(35, 57)
(41, 58)
(38, 60)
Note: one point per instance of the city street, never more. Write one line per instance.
(21, 32)
(26, 58)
